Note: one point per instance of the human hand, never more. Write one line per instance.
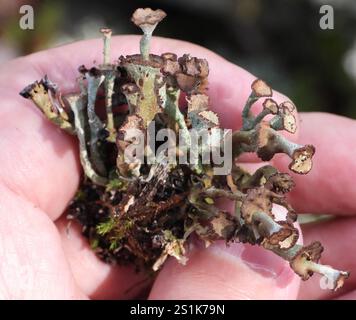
(40, 172)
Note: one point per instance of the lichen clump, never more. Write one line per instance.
(142, 206)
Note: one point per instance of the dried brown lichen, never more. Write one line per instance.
(140, 212)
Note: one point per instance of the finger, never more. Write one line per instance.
(44, 158)
(38, 161)
(97, 279)
(348, 296)
(219, 272)
(330, 186)
(338, 239)
(33, 265)
(238, 272)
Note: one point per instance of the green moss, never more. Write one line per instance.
(105, 227)
(94, 243)
(115, 184)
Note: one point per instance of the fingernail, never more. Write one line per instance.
(258, 259)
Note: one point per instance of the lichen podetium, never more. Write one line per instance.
(142, 206)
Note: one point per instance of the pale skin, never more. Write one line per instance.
(40, 172)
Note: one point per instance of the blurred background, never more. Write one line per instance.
(278, 40)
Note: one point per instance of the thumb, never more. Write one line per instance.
(236, 272)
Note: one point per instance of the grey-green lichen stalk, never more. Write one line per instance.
(139, 212)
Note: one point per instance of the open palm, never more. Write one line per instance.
(39, 173)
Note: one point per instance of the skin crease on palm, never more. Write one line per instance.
(40, 172)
